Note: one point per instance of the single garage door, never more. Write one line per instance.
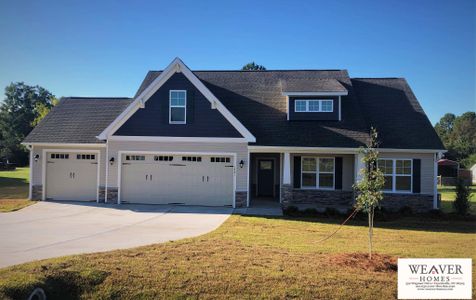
(178, 179)
(71, 176)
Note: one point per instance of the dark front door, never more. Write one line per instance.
(266, 177)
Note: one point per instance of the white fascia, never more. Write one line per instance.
(176, 139)
(176, 66)
(297, 149)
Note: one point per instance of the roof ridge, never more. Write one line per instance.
(377, 78)
(266, 71)
(98, 98)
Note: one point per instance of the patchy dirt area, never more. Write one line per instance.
(379, 262)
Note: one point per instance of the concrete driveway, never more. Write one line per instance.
(51, 229)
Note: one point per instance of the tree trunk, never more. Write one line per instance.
(371, 227)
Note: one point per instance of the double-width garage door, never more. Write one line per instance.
(182, 179)
(71, 176)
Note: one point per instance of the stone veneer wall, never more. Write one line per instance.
(102, 194)
(317, 199)
(344, 200)
(419, 203)
(112, 195)
(37, 192)
(241, 199)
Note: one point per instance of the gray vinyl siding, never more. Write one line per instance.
(240, 149)
(314, 116)
(36, 167)
(201, 119)
(427, 168)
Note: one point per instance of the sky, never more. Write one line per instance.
(105, 48)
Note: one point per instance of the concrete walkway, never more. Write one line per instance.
(51, 229)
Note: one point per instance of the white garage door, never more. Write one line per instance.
(71, 176)
(182, 179)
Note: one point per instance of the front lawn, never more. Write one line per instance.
(448, 196)
(251, 257)
(14, 189)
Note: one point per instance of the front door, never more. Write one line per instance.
(266, 177)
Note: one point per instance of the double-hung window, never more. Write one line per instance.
(397, 174)
(313, 105)
(317, 172)
(178, 107)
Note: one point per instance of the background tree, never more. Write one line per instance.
(19, 110)
(253, 67)
(369, 188)
(42, 110)
(462, 203)
(458, 134)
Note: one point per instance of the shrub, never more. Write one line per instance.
(291, 211)
(461, 203)
(405, 211)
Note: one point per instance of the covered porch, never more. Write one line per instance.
(305, 178)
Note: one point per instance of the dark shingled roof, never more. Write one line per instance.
(312, 85)
(256, 99)
(390, 106)
(77, 120)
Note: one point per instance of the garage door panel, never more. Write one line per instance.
(191, 180)
(71, 176)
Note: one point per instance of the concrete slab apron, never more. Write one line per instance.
(49, 229)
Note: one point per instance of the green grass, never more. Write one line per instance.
(250, 257)
(448, 196)
(14, 189)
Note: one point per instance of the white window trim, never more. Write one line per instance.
(178, 106)
(317, 172)
(394, 176)
(313, 111)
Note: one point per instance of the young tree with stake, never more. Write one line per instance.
(369, 188)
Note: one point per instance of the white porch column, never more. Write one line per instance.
(436, 157)
(358, 165)
(287, 168)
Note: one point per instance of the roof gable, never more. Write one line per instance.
(176, 66)
(201, 119)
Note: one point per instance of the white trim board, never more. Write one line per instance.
(43, 167)
(333, 150)
(86, 145)
(177, 66)
(119, 166)
(175, 139)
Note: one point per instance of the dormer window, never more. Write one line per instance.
(313, 105)
(178, 107)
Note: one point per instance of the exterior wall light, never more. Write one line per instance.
(37, 156)
(111, 161)
(242, 163)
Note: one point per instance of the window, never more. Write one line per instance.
(313, 105)
(397, 173)
(86, 156)
(220, 159)
(192, 158)
(317, 172)
(163, 158)
(327, 105)
(135, 157)
(59, 156)
(300, 105)
(178, 107)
